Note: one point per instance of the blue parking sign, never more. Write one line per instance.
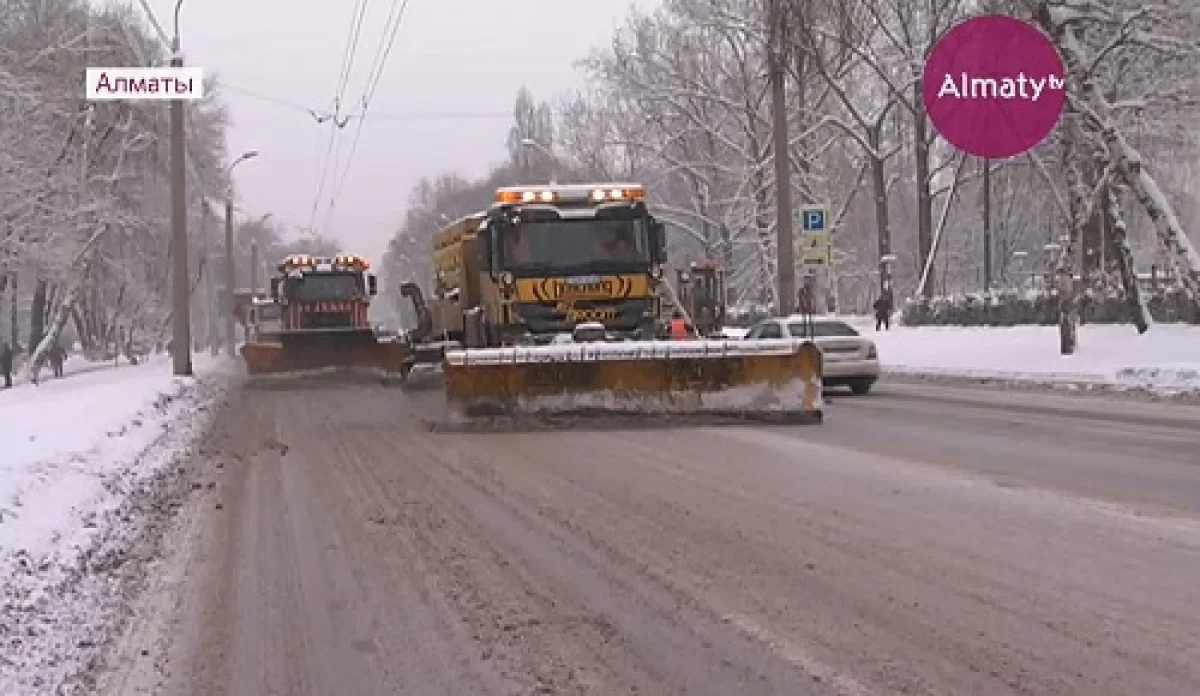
(814, 220)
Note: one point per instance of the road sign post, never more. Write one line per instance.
(816, 243)
(816, 248)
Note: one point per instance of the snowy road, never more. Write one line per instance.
(924, 540)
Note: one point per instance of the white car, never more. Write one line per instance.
(851, 360)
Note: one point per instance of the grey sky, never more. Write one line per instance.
(450, 56)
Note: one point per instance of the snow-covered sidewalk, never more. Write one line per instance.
(1164, 360)
(81, 460)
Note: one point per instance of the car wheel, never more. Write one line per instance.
(861, 386)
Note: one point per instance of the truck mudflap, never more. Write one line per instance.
(776, 380)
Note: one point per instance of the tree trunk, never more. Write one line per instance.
(1138, 311)
(879, 184)
(85, 338)
(14, 324)
(1078, 195)
(37, 315)
(1068, 323)
(924, 193)
(38, 354)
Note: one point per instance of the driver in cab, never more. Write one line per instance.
(516, 248)
(619, 245)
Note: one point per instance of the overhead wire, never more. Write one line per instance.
(331, 150)
(373, 80)
(321, 116)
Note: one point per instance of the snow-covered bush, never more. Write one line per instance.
(1167, 305)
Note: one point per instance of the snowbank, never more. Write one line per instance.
(83, 459)
(1165, 360)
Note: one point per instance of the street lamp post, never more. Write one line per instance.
(530, 142)
(229, 270)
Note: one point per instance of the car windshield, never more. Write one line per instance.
(315, 287)
(822, 329)
(581, 245)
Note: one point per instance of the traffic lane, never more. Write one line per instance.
(871, 574)
(1119, 450)
(362, 554)
(368, 554)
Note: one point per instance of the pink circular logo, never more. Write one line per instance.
(994, 86)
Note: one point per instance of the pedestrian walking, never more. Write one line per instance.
(883, 311)
(58, 356)
(6, 364)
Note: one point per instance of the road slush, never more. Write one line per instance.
(994, 86)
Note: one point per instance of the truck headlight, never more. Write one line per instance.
(657, 272)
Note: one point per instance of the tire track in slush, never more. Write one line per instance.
(524, 610)
(387, 567)
(660, 595)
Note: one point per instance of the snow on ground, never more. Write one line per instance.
(86, 461)
(1164, 360)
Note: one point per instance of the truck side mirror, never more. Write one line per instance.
(275, 289)
(372, 285)
(658, 234)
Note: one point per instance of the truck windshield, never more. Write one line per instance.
(269, 312)
(578, 245)
(315, 287)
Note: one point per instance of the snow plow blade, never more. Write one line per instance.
(308, 352)
(776, 380)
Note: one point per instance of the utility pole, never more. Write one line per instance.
(254, 267)
(227, 305)
(785, 248)
(229, 269)
(181, 334)
(212, 335)
(987, 224)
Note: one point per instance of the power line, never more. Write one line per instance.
(318, 116)
(321, 116)
(360, 10)
(372, 84)
(331, 152)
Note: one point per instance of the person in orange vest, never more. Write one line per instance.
(679, 327)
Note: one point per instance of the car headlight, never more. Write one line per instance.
(872, 352)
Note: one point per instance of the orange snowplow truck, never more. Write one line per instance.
(323, 320)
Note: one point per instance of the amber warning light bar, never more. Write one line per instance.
(592, 193)
(144, 84)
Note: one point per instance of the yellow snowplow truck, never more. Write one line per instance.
(317, 318)
(550, 302)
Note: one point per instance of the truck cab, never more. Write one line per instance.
(565, 255)
(318, 294)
